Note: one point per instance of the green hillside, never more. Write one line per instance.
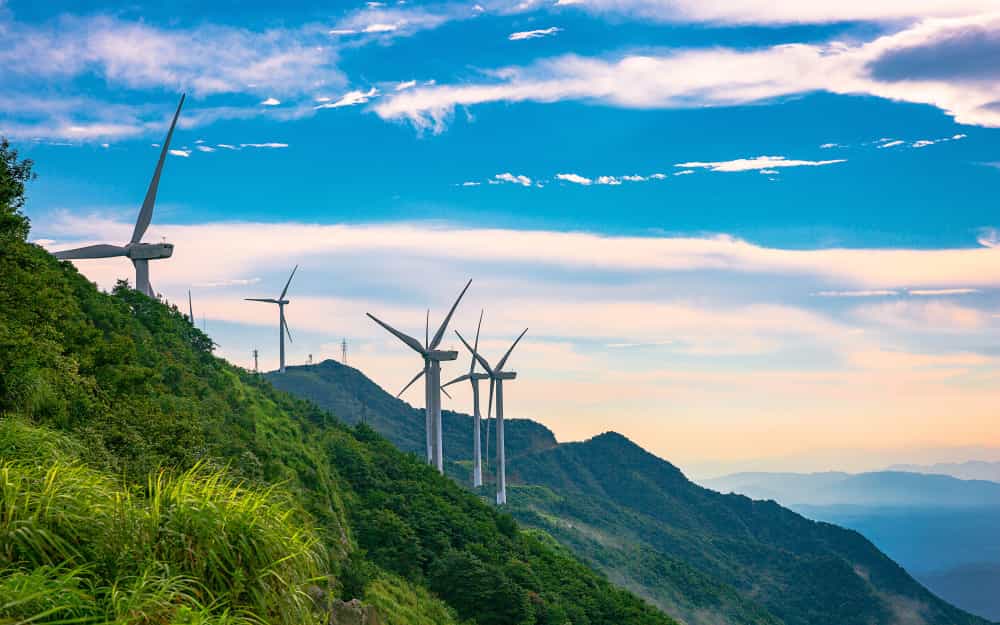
(707, 558)
(144, 480)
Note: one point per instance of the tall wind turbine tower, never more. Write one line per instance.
(138, 252)
(474, 377)
(433, 357)
(282, 325)
(190, 309)
(497, 376)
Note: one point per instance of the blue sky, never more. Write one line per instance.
(771, 219)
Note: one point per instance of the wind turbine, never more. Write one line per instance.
(497, 376)
(433, 357)
(190, 309)
(282, 325)
(138, 252)
(474, 377)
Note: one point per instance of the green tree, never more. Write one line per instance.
(14, 173)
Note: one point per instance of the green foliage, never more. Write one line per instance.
(192, 539)
(400, 603)
(14, 173)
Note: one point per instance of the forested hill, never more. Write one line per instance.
(348, 393)
(144, 480)
(706, 557)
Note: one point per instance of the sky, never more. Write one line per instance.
(747, 234)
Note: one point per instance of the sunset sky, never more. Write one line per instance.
(746, 234)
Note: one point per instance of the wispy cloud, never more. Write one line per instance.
(862, 293)
(229, 282)
(524, 181)
(937, 292)
(181, 153)
(758, 163)
(271, 102)
(351, 98)
(534, 34)
(886, 67)
(575, 179)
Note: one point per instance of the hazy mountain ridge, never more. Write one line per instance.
(970, 470)
(881, 488)
(708, 557)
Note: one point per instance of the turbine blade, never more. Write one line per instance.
(445, 392)
(91, 251)
(460, 378)
(190, 308)
(489, 404)
(444, 324)
(475, 346)
(411, 382)
(505, 356)
(261, 299)
(146, 212)
(475, 354)
(287, 331)
(427, 330)
(285, 290)
(406, 338)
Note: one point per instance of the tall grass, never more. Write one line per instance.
(193, 547)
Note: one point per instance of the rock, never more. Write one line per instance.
(352, 612)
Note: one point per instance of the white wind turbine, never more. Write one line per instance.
(497, 376)
(433, 357)
(474, 377)
(282, 325)
(138, 252)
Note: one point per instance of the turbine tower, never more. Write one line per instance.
(282, 325)
(135, 250)
(190, 309)
(474, 377)
(497, 376)
(433, 357)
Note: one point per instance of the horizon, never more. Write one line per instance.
(792, 270)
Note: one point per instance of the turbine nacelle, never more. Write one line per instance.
(149, 251)
(442, 355)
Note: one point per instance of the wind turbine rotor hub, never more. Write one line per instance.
(150, 251)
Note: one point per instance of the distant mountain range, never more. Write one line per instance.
(971, 470)
(881, 488)
(705, 557)
(942, 529)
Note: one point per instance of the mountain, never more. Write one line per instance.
(941, 529)
(705, 557)
(143, 480)
(881, 488)
(971, 470)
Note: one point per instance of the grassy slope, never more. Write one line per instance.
(137, 388)
(705, 557)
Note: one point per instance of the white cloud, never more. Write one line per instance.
(891, 144)
(634, 178)
(469, 183)
(533, 34)
(574, 178)
(524, 181)
(608, 180)
(938, 292)
(764, 12)
(204, 148)
(759, 163)
(229, 282)
(863, 293)
(271, 145)
(381, 28)
(226, 146)
(685, 172)
(829, 146)
(351, 98)
(181, 153)
(769, 172)
(406, 85)
(271, 102)
(658, 176)
(888, 67)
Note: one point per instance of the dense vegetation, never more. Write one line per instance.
(702, 556)
(117, 402)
